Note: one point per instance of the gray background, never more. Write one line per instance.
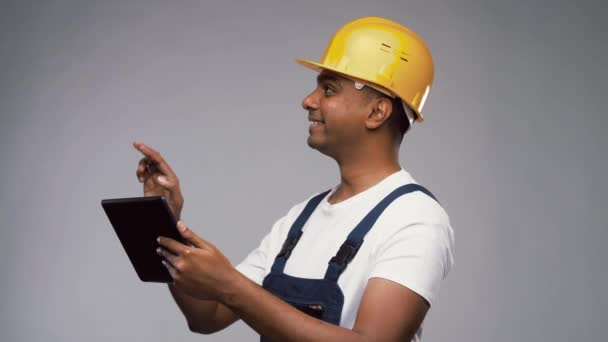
(513, 146)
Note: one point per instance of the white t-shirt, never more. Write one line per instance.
(410, 244)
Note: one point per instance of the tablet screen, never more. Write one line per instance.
(138, 222)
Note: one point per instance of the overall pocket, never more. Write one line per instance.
(313, 310)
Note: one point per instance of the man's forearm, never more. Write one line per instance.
(200, 314)
(276, 319)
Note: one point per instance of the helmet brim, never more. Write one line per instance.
(312, 65)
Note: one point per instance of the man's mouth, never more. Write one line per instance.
(315, 122)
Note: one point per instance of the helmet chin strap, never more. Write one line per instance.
(408, 111)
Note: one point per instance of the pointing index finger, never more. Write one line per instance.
(155, 157)
(146, 150)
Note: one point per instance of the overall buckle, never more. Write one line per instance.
(345, 254)
(288, 246)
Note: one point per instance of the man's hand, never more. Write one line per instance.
(158, 178)
(200, 270)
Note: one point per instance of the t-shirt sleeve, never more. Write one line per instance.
(254, 266)
(417, 256)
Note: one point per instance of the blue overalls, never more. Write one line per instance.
(323, 298)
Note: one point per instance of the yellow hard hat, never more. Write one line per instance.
(383, 54)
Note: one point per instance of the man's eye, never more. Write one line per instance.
(327, 90)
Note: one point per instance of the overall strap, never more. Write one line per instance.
(295, 232)
(350, 247)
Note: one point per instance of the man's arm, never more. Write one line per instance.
(388, 312)
(203, 316)
(159, 179)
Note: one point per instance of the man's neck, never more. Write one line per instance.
(356, 177)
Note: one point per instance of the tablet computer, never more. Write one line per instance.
(138, 222)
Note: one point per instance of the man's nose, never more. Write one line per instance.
(311, 101)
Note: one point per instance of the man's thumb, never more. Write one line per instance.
(162, 180)
(189, 235)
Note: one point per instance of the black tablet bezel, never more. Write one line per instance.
(138, 222)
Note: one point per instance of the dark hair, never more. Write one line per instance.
(399, 115)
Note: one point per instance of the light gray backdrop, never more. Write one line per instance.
(513, 146)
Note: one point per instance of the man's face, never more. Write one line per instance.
(336, 114)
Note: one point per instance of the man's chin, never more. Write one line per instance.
(317, 146)
(312, 143)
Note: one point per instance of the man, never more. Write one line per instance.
(323, 273)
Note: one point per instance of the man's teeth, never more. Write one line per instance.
(316, 123)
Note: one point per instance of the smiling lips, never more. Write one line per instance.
(314, 123)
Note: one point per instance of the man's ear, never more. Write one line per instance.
(381, 110)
